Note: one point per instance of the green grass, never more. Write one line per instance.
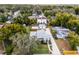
(42, 49)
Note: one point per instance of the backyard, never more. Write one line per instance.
(42, 49)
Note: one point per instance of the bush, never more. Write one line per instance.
(9, 49)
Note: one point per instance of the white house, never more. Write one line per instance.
(41, 19)
(9, 21)
(42, 35)
(9, 17)
(16, 13)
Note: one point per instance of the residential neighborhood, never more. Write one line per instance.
(39, 29)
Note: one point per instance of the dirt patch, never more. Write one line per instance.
(63, 44)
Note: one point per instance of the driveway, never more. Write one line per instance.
(55, 50)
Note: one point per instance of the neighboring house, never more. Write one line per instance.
(9, 21)
(9, 17)
(61, 32)
(34, 28)
(16, 13)
(34, 14)
(32, 17)
(10, 13)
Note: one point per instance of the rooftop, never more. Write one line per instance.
(61, 32)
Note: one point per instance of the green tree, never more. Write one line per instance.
(77, 10)
(9, 30)
(73, 39)
(72, 24)
(62, 19)
(3, 18)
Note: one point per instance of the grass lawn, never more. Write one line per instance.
(42, 49)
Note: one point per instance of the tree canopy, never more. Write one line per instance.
(73, 39)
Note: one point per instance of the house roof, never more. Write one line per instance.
(8, 21)
(61, 32)
(42, 34)
(34, 27)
